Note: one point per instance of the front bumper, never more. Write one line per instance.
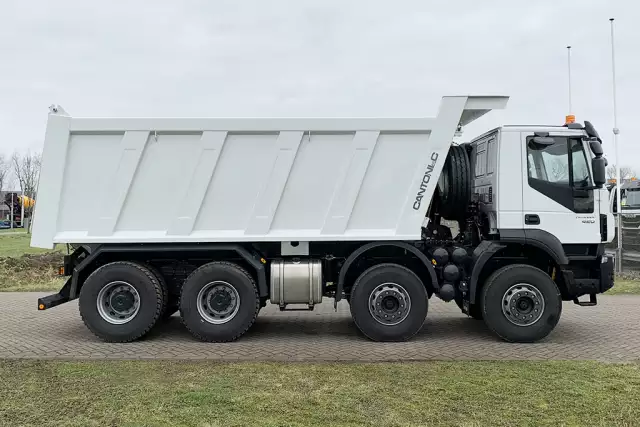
(601, 279)
(607, 268)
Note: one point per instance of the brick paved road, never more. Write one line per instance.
(610, 332)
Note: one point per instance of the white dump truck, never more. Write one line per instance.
(215, 218)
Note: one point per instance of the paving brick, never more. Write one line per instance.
(607, 332)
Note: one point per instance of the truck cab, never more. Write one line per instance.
(539, 180)
(541, 199)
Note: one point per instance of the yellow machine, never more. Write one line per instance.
(28, 202)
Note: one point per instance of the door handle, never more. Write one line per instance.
(531, 219)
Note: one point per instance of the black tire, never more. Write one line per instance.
(171, 302)
(151, 301)
(454, 185)
(494, 292)
(249, 302)
(474, 309)
(165, 289)
(367, 283)
(180, 273)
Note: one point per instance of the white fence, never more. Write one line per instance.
(630, 232)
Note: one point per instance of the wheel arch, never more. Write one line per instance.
(492, 255)
(88, 258)
(540, 239)
(355, 255)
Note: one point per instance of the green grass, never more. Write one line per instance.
(17, 244)
(23, 268)
(146, 393)
(9, 230)
(625, 286)
(31, 273)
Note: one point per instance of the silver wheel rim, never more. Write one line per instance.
(389, 304)
(118, 302)
(523, 304)
(218, 302)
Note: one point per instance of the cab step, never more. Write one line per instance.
(593, 300)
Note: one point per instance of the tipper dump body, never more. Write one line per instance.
(137, 180)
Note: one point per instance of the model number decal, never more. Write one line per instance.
(425, 181)
(586, 219)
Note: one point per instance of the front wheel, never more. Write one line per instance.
(389, 303)
(520, 303)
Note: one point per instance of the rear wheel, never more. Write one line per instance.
(389, 303)
(166, 300)
(219, 302)
(178, 271)
(520, 303)
(121, 301)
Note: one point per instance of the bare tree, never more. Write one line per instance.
(4, 173)
(625, 172)
(26, 168)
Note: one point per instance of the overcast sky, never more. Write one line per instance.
(315, 58)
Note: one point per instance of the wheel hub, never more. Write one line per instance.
(389, 304)
(122, 301)
(523, 304)
(218, 302)
(118, 302)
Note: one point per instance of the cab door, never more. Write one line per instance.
(558, 195)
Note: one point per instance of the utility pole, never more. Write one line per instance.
(569, 70)
(616, 143)
(21, 199)
(12, 193)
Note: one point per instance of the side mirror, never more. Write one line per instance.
(596, 147)
(599, 171)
